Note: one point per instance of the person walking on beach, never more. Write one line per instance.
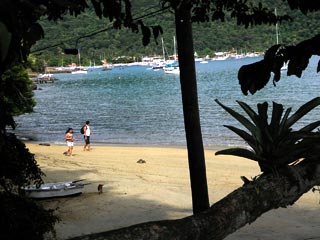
(86, 135)
(69, 139)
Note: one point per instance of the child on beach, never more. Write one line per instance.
(69, 139)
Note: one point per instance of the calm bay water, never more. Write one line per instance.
(136, 105)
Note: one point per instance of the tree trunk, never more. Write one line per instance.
(197, 168)
(237, 209)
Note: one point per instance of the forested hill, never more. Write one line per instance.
(209, 37)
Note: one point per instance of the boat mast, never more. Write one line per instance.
(163, 51)
(277, 30)
(79, 58)
(174, 48)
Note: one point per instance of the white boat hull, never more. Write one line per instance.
(79, 72)
(172, 70)
(52, 190)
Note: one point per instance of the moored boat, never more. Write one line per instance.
(79, 71)
(56, 189)
(172, 67)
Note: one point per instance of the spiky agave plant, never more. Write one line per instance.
(275, 144)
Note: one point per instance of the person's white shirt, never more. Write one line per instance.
(87, 130)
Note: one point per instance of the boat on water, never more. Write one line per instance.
(56, 189)
(172, 67)
(107, 67)
(160, 62)
(45, 78)
(285, 65)
(79, 71)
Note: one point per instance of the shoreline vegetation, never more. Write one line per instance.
(157, 188)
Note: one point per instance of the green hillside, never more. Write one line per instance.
(209, 37)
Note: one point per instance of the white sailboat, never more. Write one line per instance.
(79, 70)
(172, 66)
(285, 65)
(159, 62)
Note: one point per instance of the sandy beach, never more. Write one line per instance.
(157, 189)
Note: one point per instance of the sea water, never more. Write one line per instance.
(137, 105)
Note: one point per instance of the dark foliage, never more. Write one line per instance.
(255, 76)
(18, 166)
(21, 218)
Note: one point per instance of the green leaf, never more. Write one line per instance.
(284, 120)
(240, 152)
(310, 127)
(303, 110)
(251, 113)
(244, 121)
(245, 136)
(262, 114)
(277, 110)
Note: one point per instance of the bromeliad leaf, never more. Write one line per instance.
(245, 122)
(275, 145)
(276, 116)
(251, 113)
(310, 127)
(303, 110)
(244, 135)
(240, 152)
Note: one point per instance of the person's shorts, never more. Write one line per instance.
(70, 144)
(87, 140)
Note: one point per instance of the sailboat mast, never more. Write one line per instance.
(277, 30)
(163, 51)
(175, 48)
(79, 58)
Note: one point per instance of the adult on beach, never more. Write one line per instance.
(69, 139)
(86, 135)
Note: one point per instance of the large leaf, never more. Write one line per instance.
(277, 110)
(263, 114)
(245, 136)
(310, 127)
(251, 113)
(244, 121)
(283, 122)
(303, 110)
(240, 152)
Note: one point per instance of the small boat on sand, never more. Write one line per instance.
(57, 189)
